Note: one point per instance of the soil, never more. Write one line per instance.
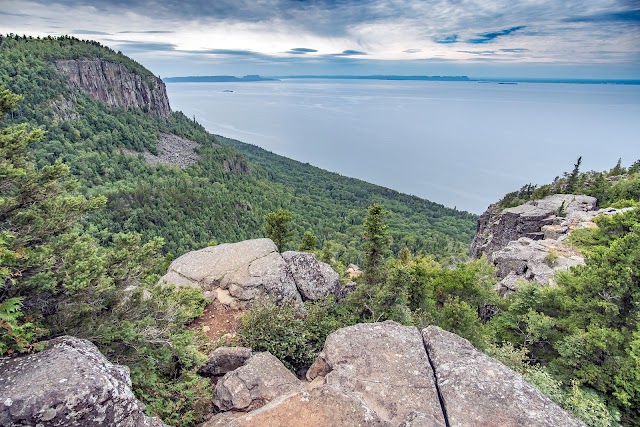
(218, 320)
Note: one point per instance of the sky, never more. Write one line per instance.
(478, 38)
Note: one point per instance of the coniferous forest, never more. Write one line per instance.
(88, 227)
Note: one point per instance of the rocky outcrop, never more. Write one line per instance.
(386, 365)
(69, 383)
(314, 279)
(262, 378)
(236, 274)
(496, 228)
(528, 242)
(532, 261)
(386, 374)
(478, 391)
(116, 86)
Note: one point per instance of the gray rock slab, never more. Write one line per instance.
(387, 366)
(69, 383)
(262, 378)
(324, 406)
(479, 391)
(246, 271)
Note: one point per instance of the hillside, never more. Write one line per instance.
(112, 140)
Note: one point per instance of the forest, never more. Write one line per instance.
(204, 203)
(87, 230)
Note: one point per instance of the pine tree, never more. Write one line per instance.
(309, 242)
(278, 227)
(376, 244)
(572, 181)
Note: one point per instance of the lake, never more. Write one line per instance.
(462, 144)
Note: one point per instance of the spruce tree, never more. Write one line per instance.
(376, 244)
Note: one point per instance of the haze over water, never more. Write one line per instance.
(462, 144)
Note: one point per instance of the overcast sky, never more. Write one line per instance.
(478, 38)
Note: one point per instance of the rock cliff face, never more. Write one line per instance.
(386, 374)
(236, 274)
(528, 242)
(70, 383)
(496, 228)
(116, 86)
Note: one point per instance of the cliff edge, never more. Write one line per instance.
(116, 86)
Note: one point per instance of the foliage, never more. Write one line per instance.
(277, 227)
(586, 328)
(309, 242)
(56, 276)
(609, 187)
(376, 244)
(584, 404)
(208, 201)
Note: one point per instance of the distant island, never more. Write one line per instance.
(221, 79)
(383, 77)
(499, 80)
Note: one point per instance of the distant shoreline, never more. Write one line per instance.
(503, 80)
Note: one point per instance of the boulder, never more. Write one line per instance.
(223, 360)
(236, 273)
(262, 378)
(324, 406)
(69, 383)
(314, 279)
(496, 228)
(387, 366)
(533, 261)
(478, 391)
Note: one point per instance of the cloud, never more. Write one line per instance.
(350, 52)
(515, 50)
(20, 15)
(487, 37)
(91, 32)
(478, 52)
(142, 46)
(412, 51)
(301, 50)
(630, 16)
(453, 38)
(147, 32)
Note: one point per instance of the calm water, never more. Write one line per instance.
(462, 144)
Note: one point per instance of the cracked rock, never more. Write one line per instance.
(387, 366)
(479, 391)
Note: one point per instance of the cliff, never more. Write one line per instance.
(116, 86)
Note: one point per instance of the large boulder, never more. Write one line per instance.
(69, 383)
(478, 391)
(236, 273)
(387, 366)
(314, 279)
(262, 378)
(324, 406)
(496, 228)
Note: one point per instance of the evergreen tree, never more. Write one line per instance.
(617, 169)
(376, 244)
(278, 227)
(309, 242)
(572, 181)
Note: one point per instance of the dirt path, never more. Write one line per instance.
(218, 320)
